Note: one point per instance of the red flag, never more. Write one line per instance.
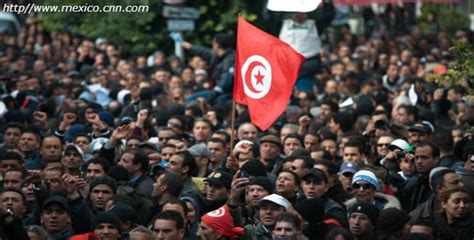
(266, 70)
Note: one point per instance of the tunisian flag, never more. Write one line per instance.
(265, 71)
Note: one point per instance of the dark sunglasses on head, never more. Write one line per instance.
(365, 186)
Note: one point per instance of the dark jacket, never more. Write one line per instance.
(143, 185)
(13, 230)
(461, 229)
(414, 191)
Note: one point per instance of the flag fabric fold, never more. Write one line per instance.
(266, 71)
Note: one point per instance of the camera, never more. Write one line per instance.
(243, 174)
(401, 154)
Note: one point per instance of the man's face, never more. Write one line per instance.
(166, 230)
(133, 143)
(285, 230)
(53, 179)
(285, 132)
(456, 135)
(313, 187)
(94, 170)
(83, 143)
(127, 162)
(248, 132)
(13, 201)
(452, 180)
(51, 148)
(176, 165)
(54, 217)
(310, 141)
(28, 142)
(201, 131)
(217, 151)
(72, 159)
(9, 164)
(382, 145)
(346, 180)
(100, 195)
(326, 112)
(291, 144)
(158, 186)
(167, 152)
(164, 136)
(269, 150)
(215, 192)
(107, 231)
(12, 136)
(424, 160)
(330, 146)
(12, 180)
(418, 137)
(352, 154)
(255, 193)
(360, 225)
(285, 184)
(364, 191)
(269, 212)
(402, 116)
(297, 167)
(333, 126)
(206, 233)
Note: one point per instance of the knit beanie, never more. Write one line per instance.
(104, 180)
(254, 168)
(368, 209)
(106, 217)
(263, 182)
(221, 222)
(391, 220)
(119, 173)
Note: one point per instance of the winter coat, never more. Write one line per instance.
(382, 201)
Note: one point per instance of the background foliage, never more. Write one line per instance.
(145, 32)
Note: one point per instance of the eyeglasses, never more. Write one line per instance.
(383, 144)
(364, 186)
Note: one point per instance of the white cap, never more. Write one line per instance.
(435, 170)
(400, 143)
(277, 199)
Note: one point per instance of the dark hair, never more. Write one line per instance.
(188, 160)
(295, 136)
(308, 162)
(82, 135)
(101, 161)
(344, 120)
(332, 168)
(23, 172)
(177, 201)
(224, 40)
(290, 218)
(23, 197)
(225, 134)
(11, 155)
(357, 144)
(135, 137)
(167, 145)
(209, 123)
(139, 157)
(173, 183)
(172, 216)
(333, 105)
(13, 125)
(295, 176)
(217, 140)
(333, 233)
(411, 110)
(435, 152)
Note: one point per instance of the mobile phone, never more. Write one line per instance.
(243, 174)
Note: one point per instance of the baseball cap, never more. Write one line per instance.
(200, 150)
(220, 178)
(75, 148)
(276, 199)
(317, 173)
(350, 167)
(424, 127)
(400, 144)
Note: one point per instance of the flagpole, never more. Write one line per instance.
(232, 126)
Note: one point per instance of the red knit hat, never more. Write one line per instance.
(222, 222)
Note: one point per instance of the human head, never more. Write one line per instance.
(270, 147)
(73, 157)
(55, 214)
(362, 219)
(247, 131)
(183, 164)
(218, 185)
(51, 148)
(106, 225)
(14, 200)
(168, 225)
(456, 203)
(270, 207)
(442, 178)
(135, 161)
(291, 142)
(12, 133)
(216, 225)
(287, 183)
(102, 190)
(420, 133)
(141, 233)
(353, 151)
(202, 130)
(259, 187)
(426, 157)
(169, 183)
(10, 159)
(96, 167)
(287, 226)
(364, 184)
(314, 183)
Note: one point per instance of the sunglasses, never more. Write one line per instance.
(364, 186)
(383, 145)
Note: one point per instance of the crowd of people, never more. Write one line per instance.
(97, 146)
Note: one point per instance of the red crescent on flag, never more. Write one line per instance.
(248, 76)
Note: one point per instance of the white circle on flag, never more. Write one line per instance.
(256, 76)
(217, 213)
